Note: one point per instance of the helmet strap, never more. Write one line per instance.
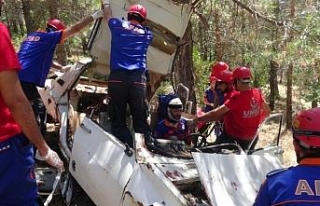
(51, 29)
(136, 17)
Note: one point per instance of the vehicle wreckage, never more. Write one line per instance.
(170, 172)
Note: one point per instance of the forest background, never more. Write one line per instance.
(278, 39)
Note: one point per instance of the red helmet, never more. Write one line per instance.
(138, 9)
(241, 72)
(56, 23)
(224, 76)
(218, 67)
(306, 128)
(212, 79)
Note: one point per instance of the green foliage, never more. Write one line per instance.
(202, 71)
(16, 40)
(253, 41)
(68, 11)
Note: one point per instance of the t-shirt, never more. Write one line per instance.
(36, 54)
(243, 119)
(8, 61)
(210, 95)
(129, 44)
(295, 186)
(165, 129)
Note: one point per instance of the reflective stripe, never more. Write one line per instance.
(4, 148)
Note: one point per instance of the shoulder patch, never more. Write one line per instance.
(277, 171)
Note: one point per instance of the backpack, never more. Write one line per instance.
(163, 101)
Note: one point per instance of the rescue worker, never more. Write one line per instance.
(36, 55)
(298, 185)
(218, 67)
(173, 127)
(130, 40)
(242, 112)
(224, 82)
(212, 93)
(18, 131)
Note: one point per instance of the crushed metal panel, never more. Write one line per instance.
(149, 186)
(179, 173)
(167, 20)
(233, 180)
(99, 164)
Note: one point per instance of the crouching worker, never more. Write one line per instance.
(299, 185)
(174, 126)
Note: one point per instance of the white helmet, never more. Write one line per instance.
(174, 103)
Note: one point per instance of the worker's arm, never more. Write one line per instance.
(107, 12)
(213, 115)
(206, 102)
(15, 99)
(80, 25)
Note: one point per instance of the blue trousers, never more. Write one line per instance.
(17, 178)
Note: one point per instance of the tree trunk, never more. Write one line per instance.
(182, 68)
(290, 71)
(218, 45)
(30, 23)
(289, 96)
(52, 6)
(61, 51)
(274, 90)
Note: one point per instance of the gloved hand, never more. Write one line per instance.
(97, 15)
(52, 159)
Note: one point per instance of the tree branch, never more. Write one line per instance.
(257, 14)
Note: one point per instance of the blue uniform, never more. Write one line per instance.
(165, 129)
(127, 80)
(36, 54)
(296, 186)
(210, 95)
(129, 45)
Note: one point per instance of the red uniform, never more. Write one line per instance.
(8, 61)
(243, 119)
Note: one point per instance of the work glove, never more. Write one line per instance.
(97, 15)
(52, 158)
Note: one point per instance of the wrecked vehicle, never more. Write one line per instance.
(170, 173)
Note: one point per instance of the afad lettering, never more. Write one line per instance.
(32, 38)
(303, 187)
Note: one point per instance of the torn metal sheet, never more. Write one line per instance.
(233, 180)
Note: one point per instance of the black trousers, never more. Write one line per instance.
(128, 88)
(39, 110)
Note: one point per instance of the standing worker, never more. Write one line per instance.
(213, 97)
(128, 63)
(36, 55)
(242, 112)
(299, 185)
(18, 131)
